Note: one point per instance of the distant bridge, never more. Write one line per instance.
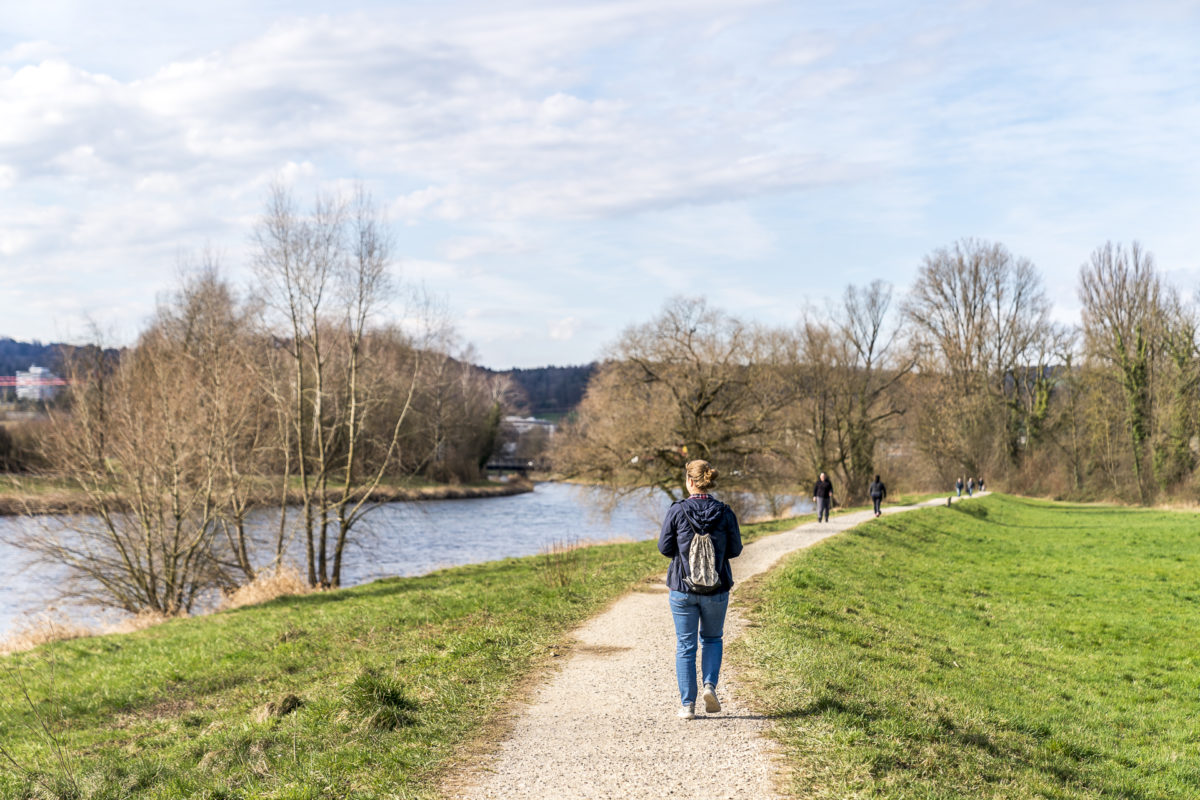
(519, 465)
(13, 380)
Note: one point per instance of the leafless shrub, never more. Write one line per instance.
(140, 447)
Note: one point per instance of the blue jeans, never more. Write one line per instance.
(703, 614)
(823, 508)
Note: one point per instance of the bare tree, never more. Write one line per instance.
(222, 349)
(1122, 299)
(861, 370)
(1175, 391)
(691, 383)
(980, 317)
(817, 391)
(325, 274)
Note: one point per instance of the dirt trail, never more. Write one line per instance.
(604, 726)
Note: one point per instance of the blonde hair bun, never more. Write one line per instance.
(702, 474)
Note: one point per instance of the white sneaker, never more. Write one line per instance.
(687, 712)
(711, 704)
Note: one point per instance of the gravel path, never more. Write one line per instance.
(604, 726)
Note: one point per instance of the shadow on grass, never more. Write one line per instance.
(971, 510)
(858, 714)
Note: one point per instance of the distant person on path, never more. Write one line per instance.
(958, 484)
(970, 487)
(823, 497)
(981, 484)
(699, 534)
(877, 491)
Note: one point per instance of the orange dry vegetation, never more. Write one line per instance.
(267, 586)
(41, 630)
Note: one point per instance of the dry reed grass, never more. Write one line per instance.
(55, 626)
(139, 621)
(43, 629)
(267, 586)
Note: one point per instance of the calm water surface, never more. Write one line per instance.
(397, 539)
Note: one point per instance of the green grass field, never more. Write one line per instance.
(395, 678)
(1004, 648)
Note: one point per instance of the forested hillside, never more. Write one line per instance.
(550, 390)
(553, 390)
(16, 355)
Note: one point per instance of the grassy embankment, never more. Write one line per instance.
(396, 679)
(912, 498)
(1005, 648)
(33, 494)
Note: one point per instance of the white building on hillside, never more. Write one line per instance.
(38, 383)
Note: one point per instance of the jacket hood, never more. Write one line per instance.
(706, 511)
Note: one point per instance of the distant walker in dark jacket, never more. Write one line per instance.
(697, 612)
(823, 497)
(877, 491)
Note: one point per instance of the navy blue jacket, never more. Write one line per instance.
(675, 539)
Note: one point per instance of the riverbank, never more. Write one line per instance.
(28, 495)
(372, 691)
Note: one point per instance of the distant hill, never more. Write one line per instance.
(19, 356)
(16, 355)
(552, 390)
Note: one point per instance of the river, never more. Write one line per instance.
(396, 539)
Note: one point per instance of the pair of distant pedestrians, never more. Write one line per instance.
(823, 496)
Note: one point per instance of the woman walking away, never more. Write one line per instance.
(877, 491)
(700, 534)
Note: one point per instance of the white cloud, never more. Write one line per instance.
(159, 183)
(476, 246)
(29, 52)
(12, 242)
(564, 329)
(424, 271)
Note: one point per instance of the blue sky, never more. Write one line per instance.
(556, 171)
